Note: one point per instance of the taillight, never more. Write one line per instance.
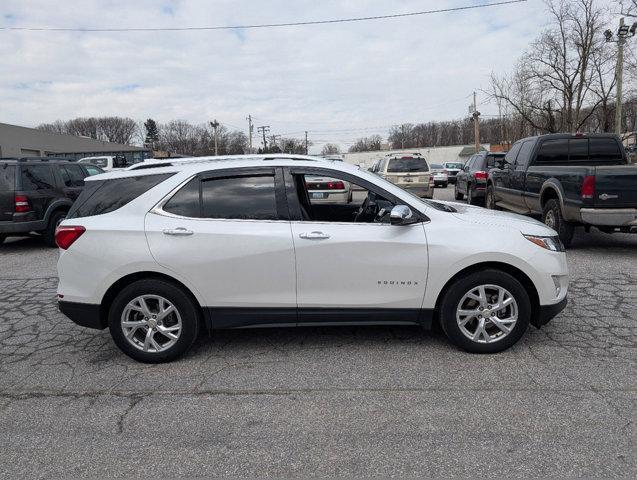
(480, 175)
(431, 180)
(65, 236)
(335, 186)
(22, 204)
(588, 186)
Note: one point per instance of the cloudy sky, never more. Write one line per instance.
(338, 81)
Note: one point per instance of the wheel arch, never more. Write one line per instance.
(131, 278)
(60, 205)
(551, 190)
(515, 272)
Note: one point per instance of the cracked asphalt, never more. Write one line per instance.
(364, 401)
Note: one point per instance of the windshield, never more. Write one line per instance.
(407, 164)
(454, 165)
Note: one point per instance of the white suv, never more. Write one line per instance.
(161, 251)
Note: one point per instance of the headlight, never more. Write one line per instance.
(550, 243)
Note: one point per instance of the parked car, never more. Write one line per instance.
(408, 171)
(440, 175)
(453, 168)
(472, 179)
(328, 190)
(106, 162)
(570, 180)
(36, 193)
(238, 243)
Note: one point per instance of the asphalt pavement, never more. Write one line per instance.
(350, 401)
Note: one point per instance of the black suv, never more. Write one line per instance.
(472, 179)
(36, 193)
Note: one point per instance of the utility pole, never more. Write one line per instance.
(215, 125)
(476, 123)
(273, 139)
(264, 129)
(306, 144)
(250, 130)
(623, 33)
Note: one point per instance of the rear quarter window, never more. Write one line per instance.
(7, 177)
(37, 177)
(105, 196)
(605, 151)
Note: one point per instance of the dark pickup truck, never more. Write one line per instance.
(570, 180)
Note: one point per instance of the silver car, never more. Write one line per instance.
(440, 175)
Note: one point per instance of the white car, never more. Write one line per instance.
(440, 175)
(159, 252)
(105, 162)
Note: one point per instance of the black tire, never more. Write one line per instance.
(489, 199)
(455, 293)
(182, 301)
(470, 199)
(552, 217)
(457, 194)
(49, 234)
(445, 185)
(2, 239)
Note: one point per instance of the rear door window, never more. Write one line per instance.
(37, 177)
(606, 151)
(186, 202)
(73, 175)
(241, 198)
(407, 164)
(553, 152)
(104, 196)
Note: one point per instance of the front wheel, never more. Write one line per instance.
(153, 321)
(485, 312)
(552, 217)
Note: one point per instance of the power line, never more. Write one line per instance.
(265, 25)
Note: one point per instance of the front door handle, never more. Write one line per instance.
(180, 231)
(314, 235)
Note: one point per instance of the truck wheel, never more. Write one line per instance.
(54, 221)
(489, 200)
(552, 217)
(457, 194)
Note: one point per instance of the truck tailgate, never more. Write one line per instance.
(616, 186)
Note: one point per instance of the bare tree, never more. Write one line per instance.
(117, 129)
(367, 144)
(330, 149)
(551, 86)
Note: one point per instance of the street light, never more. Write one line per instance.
(624, 32)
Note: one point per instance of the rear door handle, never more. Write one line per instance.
(314, 235)
(180, 231)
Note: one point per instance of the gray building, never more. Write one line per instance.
(16, 141)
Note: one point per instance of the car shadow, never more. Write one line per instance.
(22, 244)
(596, 240)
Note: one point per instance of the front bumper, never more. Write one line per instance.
(610, 217)
(84, 314)
(547, 312)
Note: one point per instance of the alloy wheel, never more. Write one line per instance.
(151, 323)
(487, 313)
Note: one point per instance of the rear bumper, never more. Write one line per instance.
(12, 228)
(84, 314)
(547, 312)
(418, 189)
(611, 217)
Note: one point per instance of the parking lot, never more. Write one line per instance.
(350, 401)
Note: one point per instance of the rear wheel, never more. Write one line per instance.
(2, 239)
(49, 234)
(485, 312)
(153, 321)
(552, 217)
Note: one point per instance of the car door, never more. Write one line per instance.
(518, 177)
(72, 180)
(350, 271)
(502, 178)
(463, 176)
(227, 232)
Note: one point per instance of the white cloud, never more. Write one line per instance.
(317, 78)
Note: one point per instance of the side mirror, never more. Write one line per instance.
(401, 215)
